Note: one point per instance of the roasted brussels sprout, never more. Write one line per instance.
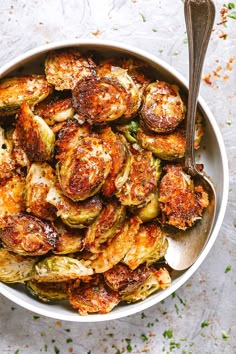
(55, 110)
(139, 71)
(121, 161)
(181, 202)
(16, 90)
(105, 226)
(85, 168)
(59, 268)
(11, 198)
(39, 179)
(163, 109)
(149, 246)
(69, 240)
(7, 162)
(142, 179)
(129, 130)
(15, 268)
(48, 292)
(69, 136)
(158, 279)
(74, 214)
(93, 297)
(115, 250)
(64, 68)
(169, 146)
(122, 279)
(19, 154)
(149, 211)
(99, 100)
(27, 235)
(34, 135)
(106, 69)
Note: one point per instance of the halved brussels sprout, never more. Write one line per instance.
(85, 168)
(16, 90)
(48, 292)
(27, 235)
(11, 198)
(149, 211)
(129, 130)
(115, 250)
(34, 135)
(19, 154)
(106, 69)
(64, 68)
(163, 109)
(93, 297)
(181, 202)
(74, 214)
(59, 268)
(169, 146)
(149, 246)
(69, 136)
(109, 221)
(142, 179)
(55, 110)
(158, 279)
(69, 240)
(15, 268)
(39, 179)
(121, 161)
(122, 279)
(100, 99)
(7, 162)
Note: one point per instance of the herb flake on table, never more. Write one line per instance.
(129, 348)
(228, 268)
(204, 324)
(144, 338)
(168, 333)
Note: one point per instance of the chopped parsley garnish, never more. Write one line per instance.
(17, 351)
(204, 324)
(69, 340)
(228, 268)
(56, 350)
(232, 15)
(36, 317)
(231, 5)
(225, 336)
(129, 348)
(143, 18)
(168, 333)
(144, 337)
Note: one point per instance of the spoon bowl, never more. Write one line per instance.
(185, 246)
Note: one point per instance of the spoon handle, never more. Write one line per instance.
(199, 18)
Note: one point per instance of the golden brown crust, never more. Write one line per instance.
(163, 109)
(100, 99)
(115, 250)
(142, 179)
(85, 169)
(181, 202)
(93, 297)
(109, 221)
(169, 146)
(27, 235)
(149, 246)
(54, 111)
(11, 198)
(7, 162)
(34, 135)
(122, 279)
(64, 68)
(38, 181)
(119, 152)
(16, 90)
(69, 240)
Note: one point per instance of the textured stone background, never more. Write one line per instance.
(201, 317)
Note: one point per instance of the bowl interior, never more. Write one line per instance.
(212, 154)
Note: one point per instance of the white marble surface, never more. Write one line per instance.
(201, 318)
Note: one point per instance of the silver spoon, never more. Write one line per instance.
(185, 246)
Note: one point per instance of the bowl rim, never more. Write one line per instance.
(142, 305)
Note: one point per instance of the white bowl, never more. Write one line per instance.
(213, 156)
